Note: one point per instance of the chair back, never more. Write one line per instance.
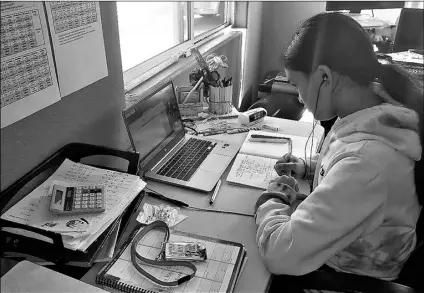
(411, 274)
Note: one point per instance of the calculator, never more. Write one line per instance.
(67, 200)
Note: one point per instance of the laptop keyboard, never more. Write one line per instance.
(187, 159)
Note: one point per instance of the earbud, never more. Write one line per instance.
(325, 78)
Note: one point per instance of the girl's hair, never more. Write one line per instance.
(339, 42)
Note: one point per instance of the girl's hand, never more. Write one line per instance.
(277, 183)
(288, 164)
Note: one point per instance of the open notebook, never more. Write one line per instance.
(219, 273)
(254, 164)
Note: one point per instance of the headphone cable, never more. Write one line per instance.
(311, 180)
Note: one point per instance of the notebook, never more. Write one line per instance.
(254, 164)
(30, 277)
(219, 273)
(167, 153)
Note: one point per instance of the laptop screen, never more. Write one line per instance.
(154, 120)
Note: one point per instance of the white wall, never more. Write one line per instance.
(270, 27)
(90, 115)
(279, 23)
(253, 49)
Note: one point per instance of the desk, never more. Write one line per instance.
(255, 277)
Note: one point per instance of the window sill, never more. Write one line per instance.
(181, 65)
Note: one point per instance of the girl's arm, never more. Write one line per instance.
(346, 204)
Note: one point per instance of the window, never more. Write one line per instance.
(388, 15)
(153, 32)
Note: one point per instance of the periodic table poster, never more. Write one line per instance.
(45, 57)
(28, 75)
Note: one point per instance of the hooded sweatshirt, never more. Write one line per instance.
(361, 216)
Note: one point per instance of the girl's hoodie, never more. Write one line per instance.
(361, 216)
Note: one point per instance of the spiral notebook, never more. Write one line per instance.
(219, 273)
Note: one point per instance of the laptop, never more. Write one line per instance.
(167, 153)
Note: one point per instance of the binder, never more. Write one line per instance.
(220, 272)
(29, 248)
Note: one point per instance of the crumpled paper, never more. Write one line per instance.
(170, 215)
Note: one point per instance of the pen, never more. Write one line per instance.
(277, 140)
(268, 137)
(171, 200)
(215, 192)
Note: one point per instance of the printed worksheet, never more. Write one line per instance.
(212, 275)
(28, 76)
(120, 190)
(78, 44)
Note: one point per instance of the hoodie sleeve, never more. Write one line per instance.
(347, 203)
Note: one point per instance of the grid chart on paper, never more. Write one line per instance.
(20, 32)
(213, 275)
(72, 14)
(24, 75)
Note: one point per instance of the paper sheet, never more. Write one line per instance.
(78, 44)
(407, 56)
(213, 275)
(80, 230)
(252, 171)
(28, 76)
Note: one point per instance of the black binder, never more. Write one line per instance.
(55, 252)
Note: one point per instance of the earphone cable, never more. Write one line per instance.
(311, 180)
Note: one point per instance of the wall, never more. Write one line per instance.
(253, 50)
(278, 25)
(91, 115)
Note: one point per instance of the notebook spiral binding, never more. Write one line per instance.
(115, 284)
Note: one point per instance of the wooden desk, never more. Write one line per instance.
(255, 277)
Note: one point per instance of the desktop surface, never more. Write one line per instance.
(255, 277)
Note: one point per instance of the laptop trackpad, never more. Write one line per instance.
(215, 163)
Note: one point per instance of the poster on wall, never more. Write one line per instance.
(28, 76)
(78, 44)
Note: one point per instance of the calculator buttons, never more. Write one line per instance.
(77, 206)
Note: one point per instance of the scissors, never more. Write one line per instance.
(211, 77)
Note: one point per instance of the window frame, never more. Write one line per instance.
(143, 71)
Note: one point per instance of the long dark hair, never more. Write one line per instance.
(339, 42)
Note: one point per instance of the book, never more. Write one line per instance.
(30, 277)
(254, 164)
(219, 273)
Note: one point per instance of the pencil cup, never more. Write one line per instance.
(220, 99)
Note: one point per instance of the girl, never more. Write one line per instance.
(361, 216)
